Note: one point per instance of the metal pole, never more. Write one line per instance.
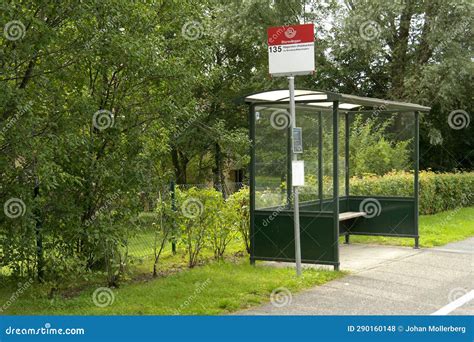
(291, 82)
(346, 153)
(320, 161)
(173, 207)
(417, 168)
(335, 168)
(346, 166)
(289, 171)
(252, 182)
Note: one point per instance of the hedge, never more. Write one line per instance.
(208, 221)
(438, 191)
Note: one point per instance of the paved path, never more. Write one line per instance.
(388, 280)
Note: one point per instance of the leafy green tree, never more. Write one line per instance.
(416, 51)
(88, 91)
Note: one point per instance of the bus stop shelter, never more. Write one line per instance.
(328, 207)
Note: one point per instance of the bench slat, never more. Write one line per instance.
(351, 214)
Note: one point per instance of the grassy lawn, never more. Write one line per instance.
(212, 288)
(435, 230)
(219, 287)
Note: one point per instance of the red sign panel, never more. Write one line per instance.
(291, 34)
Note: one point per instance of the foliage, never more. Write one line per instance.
(416, 51)
(207, 221)
(163, 229)
(226, 228)
(372, 150)
(197, 212)
(238, 207)
(74, 61)
(438, 191)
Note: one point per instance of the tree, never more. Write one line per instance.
(416, 51)
(84, 117)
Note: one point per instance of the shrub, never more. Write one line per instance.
(223, 224)
(438, 191)
(238, 207)
(197, 210)
(163, 228)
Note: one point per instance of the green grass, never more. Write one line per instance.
(220, 287)
(435, 230)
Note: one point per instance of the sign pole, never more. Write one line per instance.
(290, 53)
(294, 157)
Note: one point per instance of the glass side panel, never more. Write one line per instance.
(271, 135)
(382, 153)
(272, 130)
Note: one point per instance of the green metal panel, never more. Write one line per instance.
(274, 237)
(394, 216)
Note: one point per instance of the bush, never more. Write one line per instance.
(238, 207)
(198, 211)
(163, 225)
(438, 191)
(208, 221)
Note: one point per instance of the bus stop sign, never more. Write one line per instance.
(291, 50)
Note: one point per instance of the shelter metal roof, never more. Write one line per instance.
(326, 98)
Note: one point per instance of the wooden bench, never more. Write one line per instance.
(351, 214)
